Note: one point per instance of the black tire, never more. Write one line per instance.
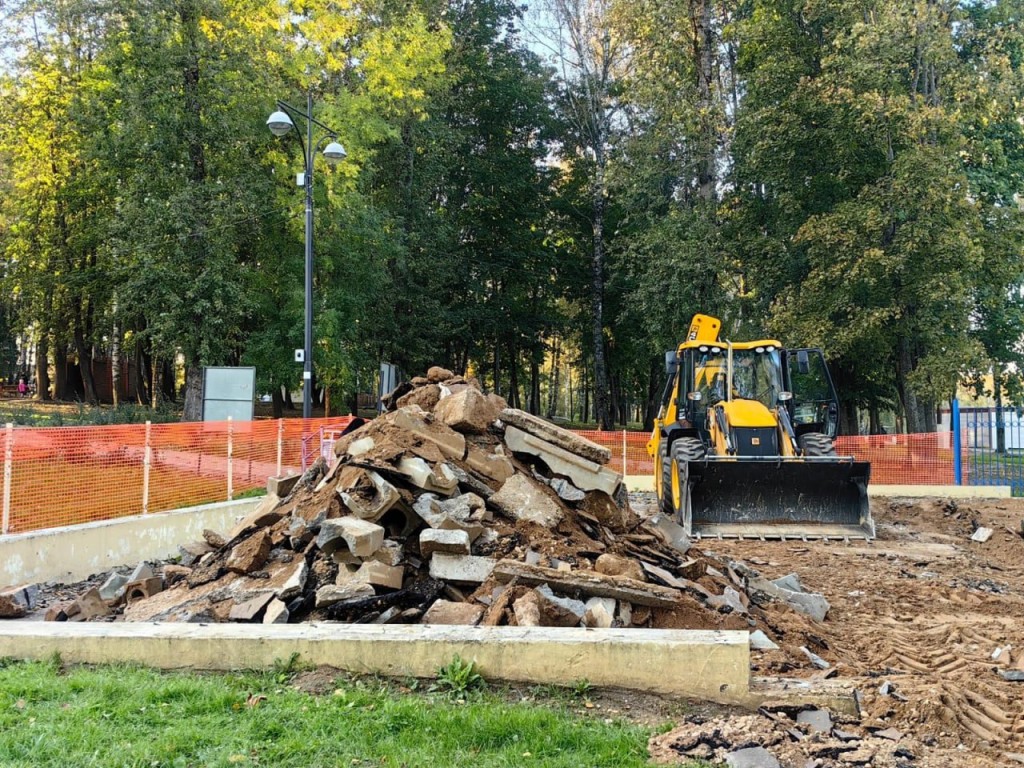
(684, 450)
(816, 444)
(666, 480)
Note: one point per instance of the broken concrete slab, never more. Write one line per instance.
(10, 608)
(283, 485)
(463, 569)
(380, 575)
(91, 605)
(295, 582)
(426, 397)
(329, 594)
(566, 491)
(673, 533)
(982, 534)
(584, 473)
(251, 554)
(814, 658)
(589, 584)
(600, 612)
(25, 595)
(438, 479)
(369, 497)
(752, 757)
(490, 465)
(451, 542)
(557, 611)
(759, 641)
(362, 537)
(250, 609)
(276, 612)
(413, 419)
(467, 411)
(728, 602)
(448, 612)
(113, 587)
(551, 433)
(761, 592)
(527, 610)
(521, 498)
(390, 553)
(817, 720)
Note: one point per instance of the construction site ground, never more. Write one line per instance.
(923, 608)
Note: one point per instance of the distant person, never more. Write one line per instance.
(22, 387)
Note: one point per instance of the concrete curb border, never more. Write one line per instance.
(76, 552)
(712, 665)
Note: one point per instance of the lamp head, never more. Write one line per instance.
(334, 152)
(279, 123)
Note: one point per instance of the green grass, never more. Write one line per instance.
(126, 716)
(29, 413)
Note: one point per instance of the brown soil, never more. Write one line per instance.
(923, 607)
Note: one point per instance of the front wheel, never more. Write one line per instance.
(816, 444)
(684, 451)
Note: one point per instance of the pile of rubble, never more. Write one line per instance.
(452, 509)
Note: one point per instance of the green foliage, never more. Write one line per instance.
(459, 678)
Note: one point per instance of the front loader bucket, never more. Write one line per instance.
(776, 499)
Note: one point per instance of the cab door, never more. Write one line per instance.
(815, 406)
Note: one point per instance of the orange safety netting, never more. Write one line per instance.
(68, 475)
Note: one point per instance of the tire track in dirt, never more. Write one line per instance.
(942, 665)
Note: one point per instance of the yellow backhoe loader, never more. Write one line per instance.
(743, 443)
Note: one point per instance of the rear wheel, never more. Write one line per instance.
(684, 450)
(816, 444)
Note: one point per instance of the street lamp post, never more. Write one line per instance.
(280, 123)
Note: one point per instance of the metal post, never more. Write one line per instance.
(231, 448)
(954, 416)
(147, 461)
(307, 366)
(280, 444)
(623, 453)
(8, 467)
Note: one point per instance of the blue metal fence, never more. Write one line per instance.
(993, 444)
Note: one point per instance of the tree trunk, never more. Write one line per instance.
(704, 50)
(874, 420)
(193, 410)
(139, 374)
(277, 401)
(553, 386)
(997, 374)
(289, 403)
(597, 287)
(84, 353)
(115, 361)
(514, 398)
(42, 372)
(918, 411)
(653, 403)
(534, 386)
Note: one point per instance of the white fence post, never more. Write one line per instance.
(231, 447)
(280, 444)
(147, 460)
(8, 467)
(623, 453)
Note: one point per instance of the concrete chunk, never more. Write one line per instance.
(761, 591)
(440, 479)
(467, 411)
(600, 612)
(617, 565)
(377, 574)
(490, 465)
(370, 497)
(523, 499)
(818, 720)
(276, 613)
(562, 438)
(295, 583)
(584, 474)
(559, 611)
(452, 542)
(265, 514)
(251, 554)
(250, 609)
(982, 535)
(413, 419)
(759, 641)
(362, 537)
(113, 587)
(467, 569)
(91, 605)
(447, 612)
(329, 594)
(10, 609)
(390, 553)
(283, 485)
(751, 757)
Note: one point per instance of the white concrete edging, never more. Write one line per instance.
(706, 664)
(75, 552)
